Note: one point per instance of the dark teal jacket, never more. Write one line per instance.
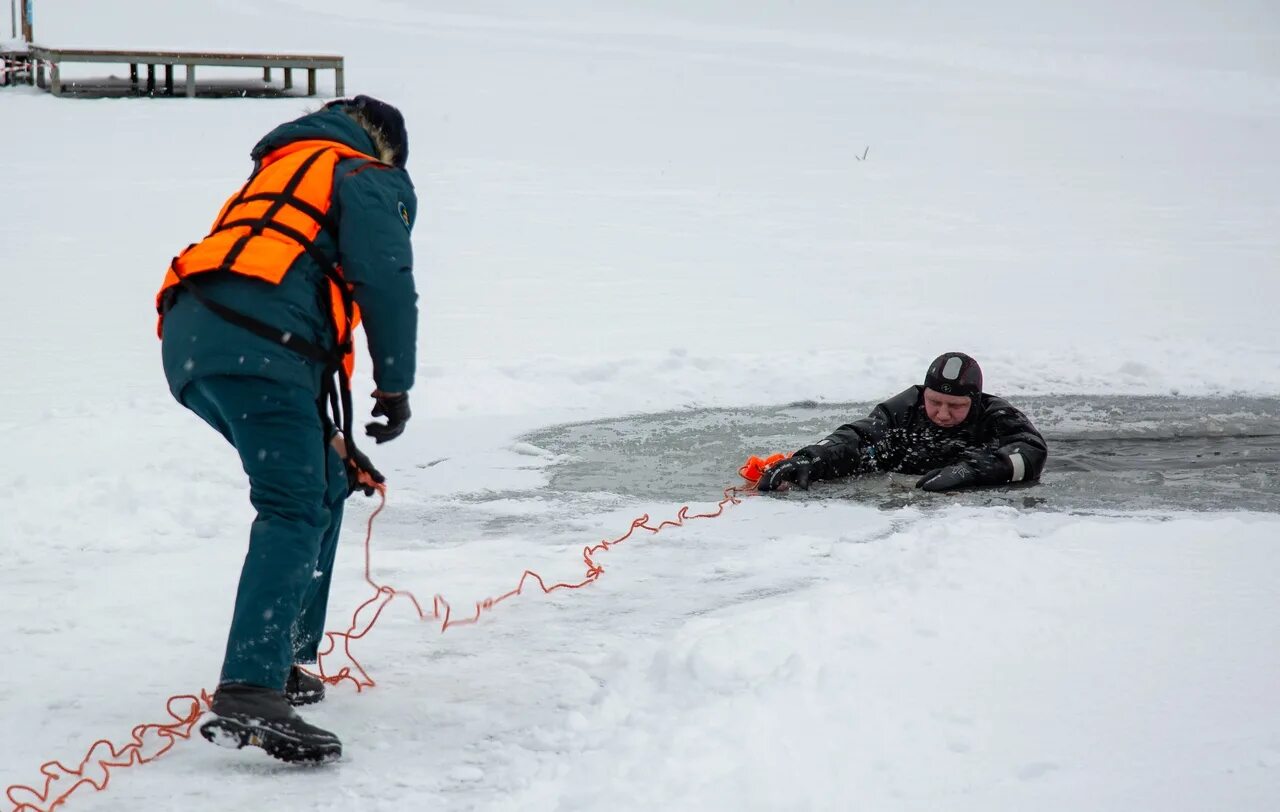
(375, 208)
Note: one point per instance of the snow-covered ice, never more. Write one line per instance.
(630, 208)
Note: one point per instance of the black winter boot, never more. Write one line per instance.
(253, 716)
(302, 688)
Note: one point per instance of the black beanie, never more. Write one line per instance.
(954, 373)
(387, 119)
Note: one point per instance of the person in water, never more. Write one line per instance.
(946, 429)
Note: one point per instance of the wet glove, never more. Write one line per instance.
(793, 469)
(393, 407)
(361, 475)
(976, 468)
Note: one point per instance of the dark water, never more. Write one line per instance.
(1105, 453)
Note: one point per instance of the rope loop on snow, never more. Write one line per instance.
(102, 757)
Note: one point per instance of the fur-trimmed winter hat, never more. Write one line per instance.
(384, 123)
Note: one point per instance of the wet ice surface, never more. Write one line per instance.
(1105, 454)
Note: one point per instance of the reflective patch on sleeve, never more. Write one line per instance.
(404, 213)
(1019, 466)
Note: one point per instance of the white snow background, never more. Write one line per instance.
(628, 207)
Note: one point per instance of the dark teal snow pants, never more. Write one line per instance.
(298, 484)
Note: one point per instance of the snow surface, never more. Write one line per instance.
(632, 207)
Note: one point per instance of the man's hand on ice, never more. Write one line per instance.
(797, 470)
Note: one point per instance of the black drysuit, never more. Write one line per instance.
(996, 438)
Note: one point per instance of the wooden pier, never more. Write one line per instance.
(25, 62)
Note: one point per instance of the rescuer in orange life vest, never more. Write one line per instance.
(256, 324)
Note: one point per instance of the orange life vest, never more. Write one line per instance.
(264, 228)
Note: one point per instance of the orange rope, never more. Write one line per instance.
(442, 610)
(125, 756)
(132, 754)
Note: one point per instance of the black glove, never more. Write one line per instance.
(976, 468)
(393, 407)
(952, 476)
(793, 469)
(361, 475)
